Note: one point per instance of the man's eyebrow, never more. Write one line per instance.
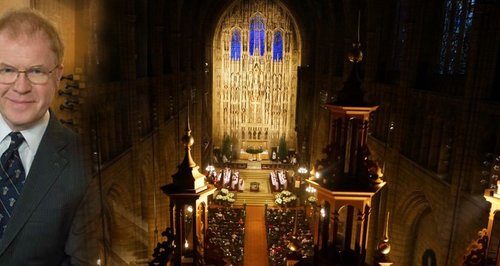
(5, 65)
(30, 67)
(36, 66)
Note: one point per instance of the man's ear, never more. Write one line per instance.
(60, 71)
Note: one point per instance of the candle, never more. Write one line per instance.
(498, 187)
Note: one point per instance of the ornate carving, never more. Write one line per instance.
(254, 96)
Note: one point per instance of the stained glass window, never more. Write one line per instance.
(278, 46)
(455, 41)
(401, 33)
(257, 35)
(236, 45)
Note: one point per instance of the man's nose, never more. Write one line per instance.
(22, 84)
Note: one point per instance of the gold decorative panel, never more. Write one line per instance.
(254, 95)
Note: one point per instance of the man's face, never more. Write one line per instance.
(23, 103)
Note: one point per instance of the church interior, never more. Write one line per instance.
(345, 132)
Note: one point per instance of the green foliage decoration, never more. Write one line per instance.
(226, 146)
(282, 150)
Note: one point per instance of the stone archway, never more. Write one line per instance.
(416, 213)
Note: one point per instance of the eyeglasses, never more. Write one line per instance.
(35, 75)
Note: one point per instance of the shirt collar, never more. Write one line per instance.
(33, 135)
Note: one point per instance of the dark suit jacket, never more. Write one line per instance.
(46, 226)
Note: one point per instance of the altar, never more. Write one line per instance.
(254, 150)
(264, 155)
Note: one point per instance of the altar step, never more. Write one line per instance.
(263, 196)
(254, 198)
(252, 173)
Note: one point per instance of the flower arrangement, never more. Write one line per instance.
(253, 150)
(224, 197)
(285, 198)
(312, 200)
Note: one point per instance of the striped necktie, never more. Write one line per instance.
(12, 177)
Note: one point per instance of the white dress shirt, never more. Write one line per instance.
(32, 137)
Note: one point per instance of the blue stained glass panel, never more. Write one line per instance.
(468, 26)
(278, 47)
(257, 35)
(236, 45)
(455, 41)
(445, 39)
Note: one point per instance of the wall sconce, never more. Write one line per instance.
(317, 175)
(206, 68)
(210, 168)
(310, 189)
(302, 170)
(392, 125)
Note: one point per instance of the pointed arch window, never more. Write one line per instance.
(455, 41)
(257, 35)
(278, 46)
(429, 258)
(236, 45)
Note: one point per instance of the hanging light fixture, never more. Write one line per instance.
(356, 55)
